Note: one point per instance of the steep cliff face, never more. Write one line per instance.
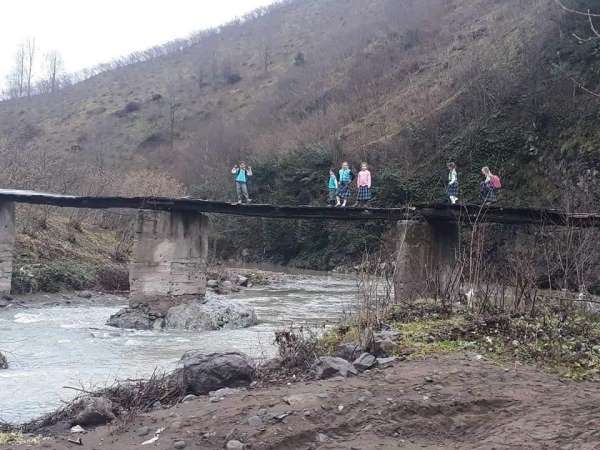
(406, 85)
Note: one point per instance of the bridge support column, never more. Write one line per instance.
(425, 256)
(169, 260)
(7, 245)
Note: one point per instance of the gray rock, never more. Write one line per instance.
(3, 362)
(179, 445)
(144, 431)
(255, 422)
(386, 362)
(365, 361)
(213, 314)
(330, 366)
(348, 351)
(3, 303)
(242, 281)
(190, 397)
(385, 346)
(85, 294)
(234, 445)
(96, 411)
(204, 373)
(212, 284)
(272, 365)
(132, 319)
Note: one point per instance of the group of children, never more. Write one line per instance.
(488, 188)
(340, 190)
(340, 186)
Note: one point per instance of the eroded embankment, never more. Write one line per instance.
(452, 401)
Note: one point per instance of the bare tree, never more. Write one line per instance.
(29, 60)
(54, 67)
(16, 79)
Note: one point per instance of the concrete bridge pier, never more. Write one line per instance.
(425, 257)
(169, 260)
(7, 245)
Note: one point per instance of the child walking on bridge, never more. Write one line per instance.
(344, 191)
(363, 181)
(489, 186)
(241, 176)
(452, 183)
(332, 187)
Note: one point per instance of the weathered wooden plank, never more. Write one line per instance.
(465, 214)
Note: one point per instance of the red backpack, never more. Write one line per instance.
(495, 181)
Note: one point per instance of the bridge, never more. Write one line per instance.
(169, 261)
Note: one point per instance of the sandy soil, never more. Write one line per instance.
(446, 402)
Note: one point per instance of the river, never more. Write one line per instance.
(55, 346)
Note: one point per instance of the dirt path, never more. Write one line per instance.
(443, 402)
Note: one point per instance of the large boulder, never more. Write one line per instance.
(211, 314)
(137, 318)
(203, 373)
(331, 366)
(3, 362)
(94, 411)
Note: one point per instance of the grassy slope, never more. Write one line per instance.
(56, 256)
(406, 85)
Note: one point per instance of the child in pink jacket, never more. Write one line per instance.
(363, 182)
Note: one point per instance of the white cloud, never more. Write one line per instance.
(88, 32)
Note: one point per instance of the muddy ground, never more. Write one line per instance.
(446, 402)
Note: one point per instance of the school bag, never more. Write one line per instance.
(496, 182)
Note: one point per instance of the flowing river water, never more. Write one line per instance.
(51, 347)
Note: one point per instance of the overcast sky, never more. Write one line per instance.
(88, 32)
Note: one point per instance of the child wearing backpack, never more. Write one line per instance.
(344, 191)
(489, 186)
(332, 187)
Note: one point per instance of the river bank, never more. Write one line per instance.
(448, 401)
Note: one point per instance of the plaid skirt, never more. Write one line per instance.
(488, 193)
(344, 190)
(364, 194)
(453, 190)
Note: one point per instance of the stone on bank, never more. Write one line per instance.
(196, 315)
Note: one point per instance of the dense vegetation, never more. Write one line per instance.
(301, 86)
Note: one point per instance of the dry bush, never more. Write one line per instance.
(131, 397)
(298, 348)
(375, 295)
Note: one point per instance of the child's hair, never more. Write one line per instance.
(364, 164)
(345, 163)
(451, 165)
(486, 170)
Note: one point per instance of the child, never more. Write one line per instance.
(363, 182)
(452, 183)
(487, 187)
(332, 186)
(242, 175)
(344, 191)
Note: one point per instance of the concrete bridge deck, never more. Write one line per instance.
(466, 214)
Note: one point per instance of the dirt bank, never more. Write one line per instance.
(453, 401)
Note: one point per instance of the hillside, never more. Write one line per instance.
(406, 85)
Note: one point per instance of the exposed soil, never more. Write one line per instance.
(452, 401)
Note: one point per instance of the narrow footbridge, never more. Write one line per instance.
(465, 214)
(169, 261)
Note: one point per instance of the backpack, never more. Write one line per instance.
(495, 182)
